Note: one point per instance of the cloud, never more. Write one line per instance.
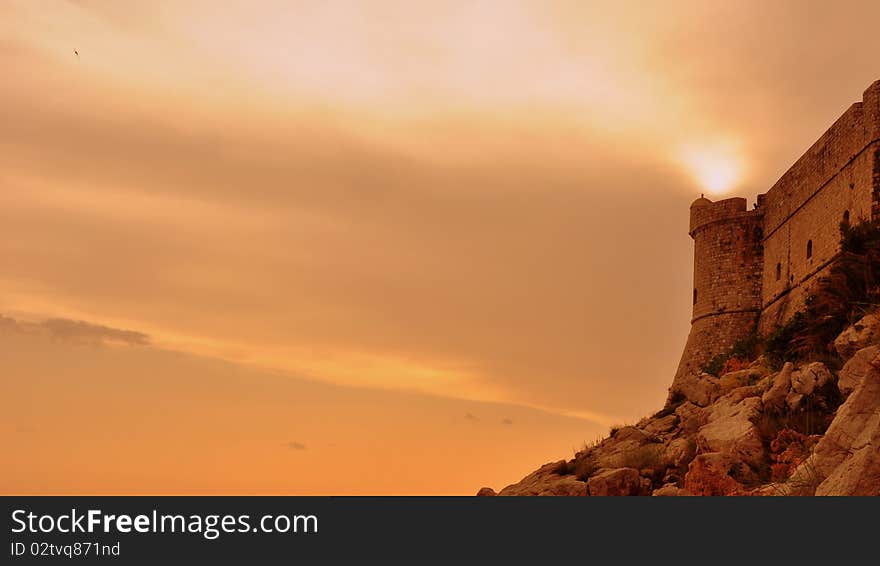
(507, 422)
(76, 331)
(471, 417)
(477, 219)
(293, 445)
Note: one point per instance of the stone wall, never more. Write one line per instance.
(728, 261)
(759, 266)
(833, 180)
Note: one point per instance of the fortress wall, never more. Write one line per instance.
(822, 162)
(736, 251)
(728, 259)
(710, 336)
(808, 203)
(817, 221)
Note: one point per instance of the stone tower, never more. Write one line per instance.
(728, 266)
(761, 265)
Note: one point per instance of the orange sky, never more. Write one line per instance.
(377, 247)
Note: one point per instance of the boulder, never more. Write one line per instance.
(671, 490)
(680, 451)
(756, 390)
(864, 333)
(698, 389)
(730, 430)
(846, 461)
(780, 387)
(618, 481)
(736, 379)
(547, 481)
(661, 425)
(616, 451)
(691, 417)
(855, 369)
(486, 492)
(810, 377)
(708, 474)
(805, 381)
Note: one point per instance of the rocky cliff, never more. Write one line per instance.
(807, 429)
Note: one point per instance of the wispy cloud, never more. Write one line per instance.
(76, 331)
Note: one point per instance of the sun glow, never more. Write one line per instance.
(716, 168)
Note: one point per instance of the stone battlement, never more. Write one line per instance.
(757, 267)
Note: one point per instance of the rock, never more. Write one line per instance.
(736, 379)
(547, 481)
(738, 395)
(671, 490)
(616, 451)
(846, 461)
(761, 364)
(630, 434)
(864, 333)
(810, 377)
(699, 389)
(708, 474)
(775, 396)
(730, 430)
(855, 369)
(618, 481)
(680, 451)
(794, 399)
(486, 492)
(659, 426)
(805, 381)
(690, 416)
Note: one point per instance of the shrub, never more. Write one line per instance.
(849, 291)
(585, 467)
(787, 451)
(737, 357)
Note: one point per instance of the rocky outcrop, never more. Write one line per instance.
(779, 388)
(547, 480)
(698, 389)
(731, 430)
(709, 474)
(737, 379)
(749, 432)
(671, 490)
(805, 381)
(619, 481)
(855, 369)
(846, 461)
(864, 333)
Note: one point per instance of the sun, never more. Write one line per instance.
(716, 168)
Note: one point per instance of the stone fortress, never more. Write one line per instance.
(758, 266)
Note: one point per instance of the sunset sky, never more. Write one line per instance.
(376, 247)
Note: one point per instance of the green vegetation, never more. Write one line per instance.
(746, 348)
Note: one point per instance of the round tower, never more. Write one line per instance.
(728, 264)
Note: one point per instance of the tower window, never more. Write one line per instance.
(809, 249)
(778, 271)
(846, 217)
(695, 296)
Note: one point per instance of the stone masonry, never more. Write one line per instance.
(758, 266)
